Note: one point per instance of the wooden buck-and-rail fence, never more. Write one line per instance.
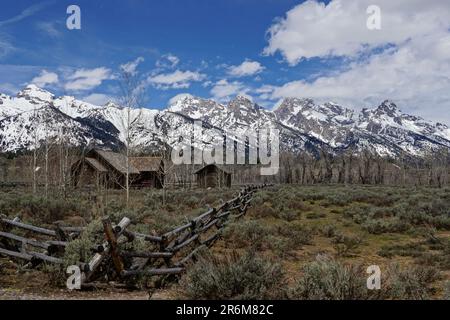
(170, 252)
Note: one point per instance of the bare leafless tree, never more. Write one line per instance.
(131, 99)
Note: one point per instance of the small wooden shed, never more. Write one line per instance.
(213, 176)
(108, 169)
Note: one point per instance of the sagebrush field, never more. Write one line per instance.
(296, 242)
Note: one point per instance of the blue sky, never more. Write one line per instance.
(266, 49)
(206, 36)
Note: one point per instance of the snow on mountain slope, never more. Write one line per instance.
(303, 125)
(412, 134)
(330, 122)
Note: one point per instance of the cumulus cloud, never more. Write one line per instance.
(179, 97)
(246, 68)
(410, 65)
(314, 29)
(130, 67)
(224, 90)
(416, 75)
(45, 78)
(175, 80)
(87, 79)
(98, 99)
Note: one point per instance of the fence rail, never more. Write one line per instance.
(171, 252)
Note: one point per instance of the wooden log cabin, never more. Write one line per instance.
(213, 176)
(102, 168)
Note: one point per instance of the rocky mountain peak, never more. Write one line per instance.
(388, 107)
(243, 105)
(32, 92)
(303, 124)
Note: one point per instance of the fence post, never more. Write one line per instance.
(112, 241)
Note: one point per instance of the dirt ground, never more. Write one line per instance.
(36, 285)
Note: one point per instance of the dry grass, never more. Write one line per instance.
(398, 229)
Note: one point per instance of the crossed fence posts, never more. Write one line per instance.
(170, 254)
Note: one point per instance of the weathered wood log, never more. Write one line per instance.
(184, 244)
(15, 254)
(223, 215)
(191, 255)
(31, 256)
(57, 243)
(112, 241)
(98, 248)
(30, 242)
(204, 215)
(28, 227)
(235, 207)
(177, 230)
(153, 272)
(43, 257)
(208, 242)
(61, 234)
(208, 226)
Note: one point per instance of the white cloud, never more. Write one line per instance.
(168, 61)
(224, 90)
(246, 68)
(179, 97)
(416, 75)
(410, 66)
(87, 79)
(98, 99)
(175, 80)
(45, 78)
(314, 29)
(130, 67)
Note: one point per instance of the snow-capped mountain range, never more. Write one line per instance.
(36, 115)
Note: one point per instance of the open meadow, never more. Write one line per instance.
(295, 242)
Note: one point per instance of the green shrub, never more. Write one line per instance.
(345, 245)
(288, 237)
(331, 280)
(247, 277)
(264, 211)
(80, 250)
(246, 233)
(410, 249)
(289, 215)
(412, 283)
(385, 226)
(329, 230)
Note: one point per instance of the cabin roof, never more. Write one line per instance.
(146, 164)
(96, 165)
(118, 161)
(220, 167)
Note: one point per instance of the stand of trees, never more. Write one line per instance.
(365, 168)
(47, 170)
